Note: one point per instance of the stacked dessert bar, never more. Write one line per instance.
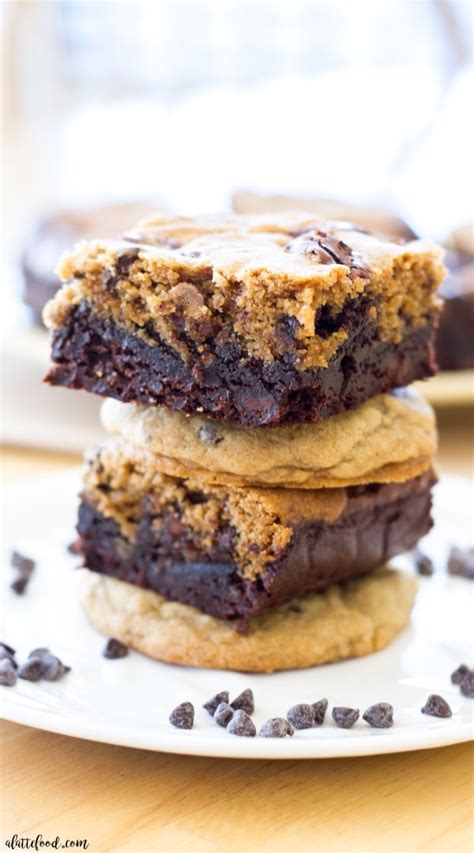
(262, 467)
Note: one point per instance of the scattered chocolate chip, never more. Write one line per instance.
(380, 716)
(19, 585)
(212, 704)
(223, 714)
(8, 649)
(461, 562)
(52, 668)
(276, 727)
(209, 434)
(124, 261)
(459, 673)
(31, 670)
(6, 654)
(467, 685)
(22, 563)
(241, 725)
(423, 564)
(436, 706)
(345, 717)
(7, 673)
(320, 709)
(183, 716)
(244, 701)
(301, 716)
(115, 649)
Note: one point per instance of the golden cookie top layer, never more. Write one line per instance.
(390, 438)
(244, 273)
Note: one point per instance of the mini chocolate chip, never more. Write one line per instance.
(223, 714)
(19, 585)
(461, 562)
(459, 673)
(8, 649)
(24, 564)
(244, 701)
(276, 727)
(7, 673)
(216, 700)
(380, 716)
(52, 668)
(423, 564)
(209, 434)
(115, 649)
(6, 655)
(345, 717)
(183, 716)
(241, 725)
(320, 709)
(124, 261)
(436, 706)
(467, 685)
(31, 670)
(301, 716)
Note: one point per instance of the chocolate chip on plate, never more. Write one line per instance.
(22, 563)
(459, 673)
(115, 649)
(301, 716)
(241, 725)
(423, 564)
(380, 715)
(212, 704)
(223, 714)
(345, 717)
(53, 669)
(467, 685)
(276, 727)
(436, 706)
(7, 673)
(7, 653)
(244, 702)
(182, 717)
(461, 562)
(19, 584)
(32, 669)
(8, 649)
(320, 709)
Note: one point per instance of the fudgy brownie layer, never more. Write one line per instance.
(93, 353)
(378, 523)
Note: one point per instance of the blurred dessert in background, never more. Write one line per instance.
(455, 339)
(56, 233)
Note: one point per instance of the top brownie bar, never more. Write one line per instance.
(259, 320)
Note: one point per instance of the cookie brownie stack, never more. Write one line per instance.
(262, 469)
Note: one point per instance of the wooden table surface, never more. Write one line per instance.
(123, 799)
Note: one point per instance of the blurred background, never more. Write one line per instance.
(113, 108)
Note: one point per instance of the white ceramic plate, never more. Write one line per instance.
(128, 701)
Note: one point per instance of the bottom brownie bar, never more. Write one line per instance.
(235, 553)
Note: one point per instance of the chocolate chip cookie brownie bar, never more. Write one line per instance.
(254, 320)
(233, 552)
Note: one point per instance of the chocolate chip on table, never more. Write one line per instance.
(424, 566)
(182, 717)
(467, 685)
(223, 714)
(276, 727)
(31, 670)
(436, 706)
(345, 717)
(301, 716)
(244, 701)
(7, 673)
(461, 562)
(212, 704)
(22, 563)
(459, 673)
(380, 715)
(115, 649)
(19, 584)
(241, 725)
(320, 709)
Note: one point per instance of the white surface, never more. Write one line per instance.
(128, 701)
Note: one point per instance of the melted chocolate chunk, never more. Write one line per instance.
(328, 249)
(125, 260)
